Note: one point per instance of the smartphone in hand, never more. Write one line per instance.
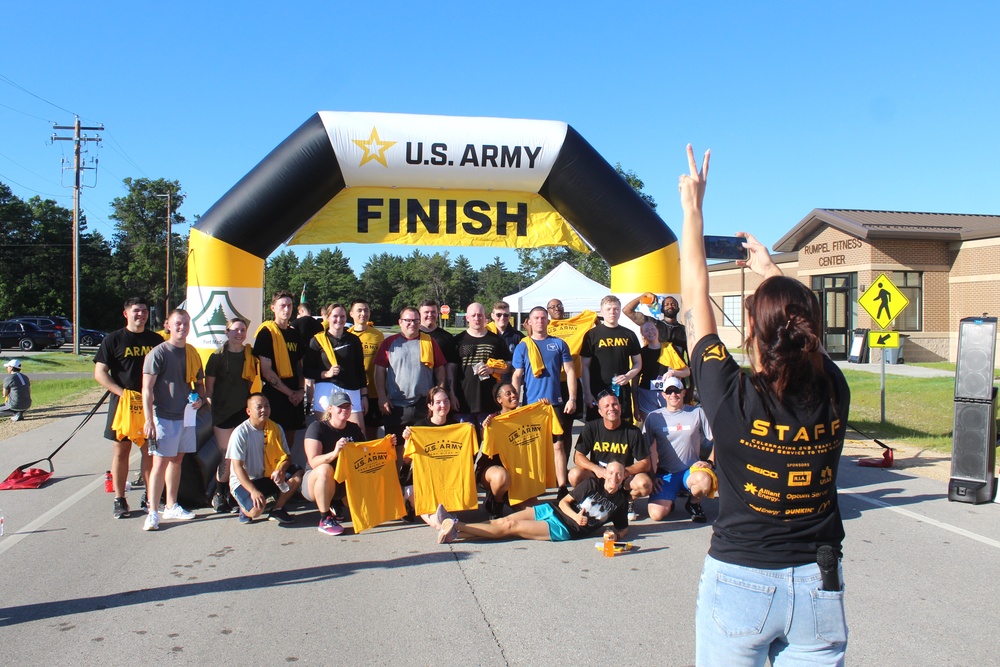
(725, 247)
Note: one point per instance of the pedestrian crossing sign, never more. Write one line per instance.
(883, 301)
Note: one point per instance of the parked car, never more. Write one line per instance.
(27, 336)
(57, 322)
(90, 337)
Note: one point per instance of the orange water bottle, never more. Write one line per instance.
(609, 543)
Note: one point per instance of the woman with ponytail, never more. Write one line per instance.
(771, 587)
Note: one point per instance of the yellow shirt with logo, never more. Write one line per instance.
(371, 338)
(442, 467)
(523, 439)
(373, 492)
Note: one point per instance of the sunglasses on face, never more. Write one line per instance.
(672, 390)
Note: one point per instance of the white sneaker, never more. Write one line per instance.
(152, 521)
(177, 513)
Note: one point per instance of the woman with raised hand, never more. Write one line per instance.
(771, 583)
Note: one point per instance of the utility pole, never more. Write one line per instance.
(166, 300)
(77, 139)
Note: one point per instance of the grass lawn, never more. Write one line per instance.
(51, 362)
(52, 392)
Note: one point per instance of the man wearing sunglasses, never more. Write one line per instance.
(500, 325)
(676, 436)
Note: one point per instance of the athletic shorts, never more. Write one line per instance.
(323, 392)
(173, 438)
(338, 494)
(557, 531)
(283, 413)
(373, 418)
(671, 484)
(233, 420)
(263, 484)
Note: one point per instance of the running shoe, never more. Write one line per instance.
(329, 526)
(121, 508)
(18, 416)
(696, 512)
(448, 531)
(441, 514)
(562, 493)
(138, 482)
(220, 502)
(244, 519)
(152, 521)
(143, 505)
(281, 515)
(177, 513)
(632, 514)
(338, 511)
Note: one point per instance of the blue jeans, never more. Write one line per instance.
(746, 615)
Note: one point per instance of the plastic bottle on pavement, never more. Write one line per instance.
(109, 485)
(609, 543)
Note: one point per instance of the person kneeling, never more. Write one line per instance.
(263, 477)
(578, 515)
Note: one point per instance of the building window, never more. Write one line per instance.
(910, 283)
(732, 311)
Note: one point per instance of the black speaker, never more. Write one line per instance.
(973, 457)
(974, 370)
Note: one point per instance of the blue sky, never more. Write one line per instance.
(805, 105)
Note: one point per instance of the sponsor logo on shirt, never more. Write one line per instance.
(715, 352)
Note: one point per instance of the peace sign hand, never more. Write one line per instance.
(692, 186)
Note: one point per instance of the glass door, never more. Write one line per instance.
(837, 295)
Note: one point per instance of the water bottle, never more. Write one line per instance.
(193, 396)
(616, 388)
(109, 485)
(609, 543)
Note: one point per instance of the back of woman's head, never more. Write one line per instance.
(784, 337)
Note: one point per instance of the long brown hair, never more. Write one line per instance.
(785, 339)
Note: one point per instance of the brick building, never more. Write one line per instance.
(947, 265)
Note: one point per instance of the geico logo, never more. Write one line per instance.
(486, 155)
(761, 471)
(477, 213)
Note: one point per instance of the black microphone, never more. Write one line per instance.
(826, 558)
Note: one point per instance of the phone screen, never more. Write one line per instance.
(725, 247)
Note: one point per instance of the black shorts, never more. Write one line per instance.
(283, 413)
(373, 418)
(233, 420)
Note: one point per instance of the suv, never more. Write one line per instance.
(27, 336)
(57, 322)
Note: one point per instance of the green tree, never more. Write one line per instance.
(495, 282)
(279, 274)
(140, 240)
(463, 284)
(378, 286)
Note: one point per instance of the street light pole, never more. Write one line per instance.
(166, 300)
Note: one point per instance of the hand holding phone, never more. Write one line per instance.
(725, 247)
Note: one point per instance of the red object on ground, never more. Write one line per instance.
(875, 462)
(30, 478)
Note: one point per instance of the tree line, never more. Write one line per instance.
(36, 263)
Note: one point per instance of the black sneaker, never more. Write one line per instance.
(493, 507)
(338, 511)
(220, 502)
(121, 508)
(632, 514)
(696, 512)
(281, 515)
(143, 505)
(410, 515)
(138, 482)
(562, 493)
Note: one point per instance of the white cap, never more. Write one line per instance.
(13, 363)
(672, 382)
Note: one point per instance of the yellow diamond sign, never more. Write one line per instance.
(883, 301)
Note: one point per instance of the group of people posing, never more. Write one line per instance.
(359, 385)
(773, 446)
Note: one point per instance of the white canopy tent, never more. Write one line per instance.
(576, 291)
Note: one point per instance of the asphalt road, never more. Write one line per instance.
(81, 588)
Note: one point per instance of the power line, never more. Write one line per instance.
(10, 82)
(21, 185)
(25, 113)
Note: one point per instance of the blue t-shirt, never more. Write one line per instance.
(555, 353)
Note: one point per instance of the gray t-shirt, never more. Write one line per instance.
(407, 380)
(247, 444)
(677, 436)
(17, 386)
(171, 391)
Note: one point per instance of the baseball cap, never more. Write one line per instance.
(340, 399)
(13, 363)
(672, 382)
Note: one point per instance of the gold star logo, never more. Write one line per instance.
(374, 148)
(750, 488)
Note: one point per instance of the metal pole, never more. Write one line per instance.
(882, 386)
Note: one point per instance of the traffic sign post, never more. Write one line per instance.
(884, 302)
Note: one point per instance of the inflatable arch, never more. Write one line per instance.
(421, 180)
